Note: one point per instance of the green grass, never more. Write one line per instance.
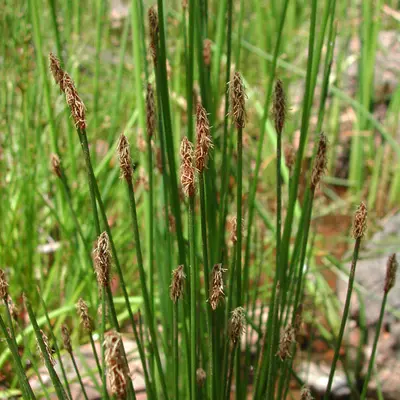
(50, 223)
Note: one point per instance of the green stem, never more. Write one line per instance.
(79, 376)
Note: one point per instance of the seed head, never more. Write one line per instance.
(78, 109)
(238, 98)
(187, 168)
(66, 338)
(56, 165)
(237, 324)
(306, 394)
(290, 157)
(201, 377)
(102, 260)
(3, 285)
(207, 52)
(150, 111)
(177, 283)
(285, 342)
(360, 221)
(217, 286)
(391, 270)
(204, 141)
(83, 311)
(320, 161)
(279, 107)
(117, 369)
(56, 70)
(124, 155)
(153, 26)
(47, 347)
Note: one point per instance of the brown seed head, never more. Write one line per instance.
(217, 286)
(78, 109)
(102, 260)
(290, 156)
(306, 394)
(13, 308)
(66, 338)
(238, 99)
(207, 52)
(48, 349)
(360, 221)
(150, 111)
(320, 162)
(117, 369)
(391, 270)
(56, 70)
(279, 107)
(177, 283)
(124, 155)
(237, 324)
(285, 342)
(187, 168)
(83, 311)
(3, 285)
(204, 141)
(153, 26)
(56, 165)
(201, 377)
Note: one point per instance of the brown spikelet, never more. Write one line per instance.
(237, 324)
(298, 319)
(217, 286)
(285, 342)
(78, 109)
(177, 283)
(3, 285)
(56, 165)
(184, 4)
(153, 27)
(102, 260)
(150, 111)
(48, 349)
(238, 99)
(117, 370)
(320, 162)
(204, 141)
(305, 394)
(13, 308)
(187, 168)
(360, 221)
(234, 230)
(290, 156)
(124, 156)
(391, 270)
(83, 312)
(56, 70)
(66, 338)
(279, 107)
(207, 52)
(201, 377)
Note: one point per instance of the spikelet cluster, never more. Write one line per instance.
(76, 105)
(124, 156)
(290, 157)
(150, 111)
(207, 52)
(3, 285)
(238, 100)
(102, 260)
(360, 221)
(66, 338)
(201, 377)
(153, 26)
(306, 394)
(391, 270)
(83, 312)
(285, 342)
(48, 349)
(187, 168)
(279, 107)
(56, 165)
(117, 369)
(177, 283)
(204, 141)
(234, 229)
(320, 161)
(237, 324)
(217, 286)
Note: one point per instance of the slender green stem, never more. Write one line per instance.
(176, 350)
(96, 356)
(344, 317)
(79, 376)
